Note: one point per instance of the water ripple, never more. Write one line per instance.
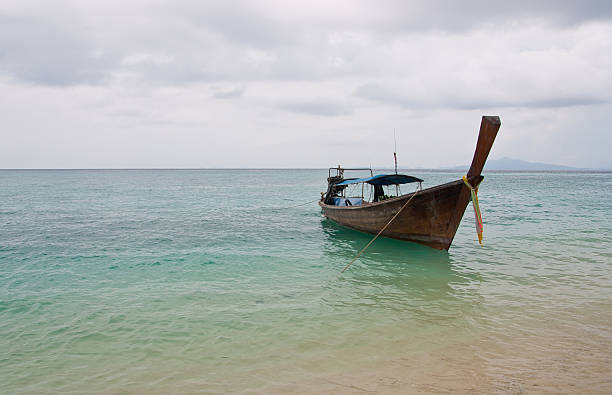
(139, 281)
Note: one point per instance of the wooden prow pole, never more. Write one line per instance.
(488, 131)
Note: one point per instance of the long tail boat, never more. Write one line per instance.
(428, 216)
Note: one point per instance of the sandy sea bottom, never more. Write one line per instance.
(530, 356)
(535, 359)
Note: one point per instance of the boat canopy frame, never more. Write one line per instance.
(337, 184)
(340, 170)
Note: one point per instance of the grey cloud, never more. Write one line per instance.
(376, 92)
(243, 22)
(49, 55)
(262, 25)
(226, 92)
(174, 74)
(72, 52)
(468, 100)
(321, 107)
(186, 43)
(566, 101)
(550, 99)
(455, 16)
(211, 41)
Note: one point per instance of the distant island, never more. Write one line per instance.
(520, 165)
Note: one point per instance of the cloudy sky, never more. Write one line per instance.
(116, 84)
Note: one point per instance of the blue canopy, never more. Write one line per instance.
(383, 179)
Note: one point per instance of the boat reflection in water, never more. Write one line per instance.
(423, 282)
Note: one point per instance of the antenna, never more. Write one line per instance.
(395, 150)
(395, 158)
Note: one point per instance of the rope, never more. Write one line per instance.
(382, 230)
(477, 214)
(302, 204)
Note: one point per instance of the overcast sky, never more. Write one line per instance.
(116, 84)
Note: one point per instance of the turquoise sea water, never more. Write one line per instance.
(145, 281)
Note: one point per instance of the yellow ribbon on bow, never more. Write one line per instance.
(477, 214)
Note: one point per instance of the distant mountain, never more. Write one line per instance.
(517, 164)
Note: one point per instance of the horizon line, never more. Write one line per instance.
(440, 169)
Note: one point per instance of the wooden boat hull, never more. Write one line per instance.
(431, 218)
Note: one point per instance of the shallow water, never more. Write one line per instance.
(150, 281)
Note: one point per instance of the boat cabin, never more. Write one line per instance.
(359, 191)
